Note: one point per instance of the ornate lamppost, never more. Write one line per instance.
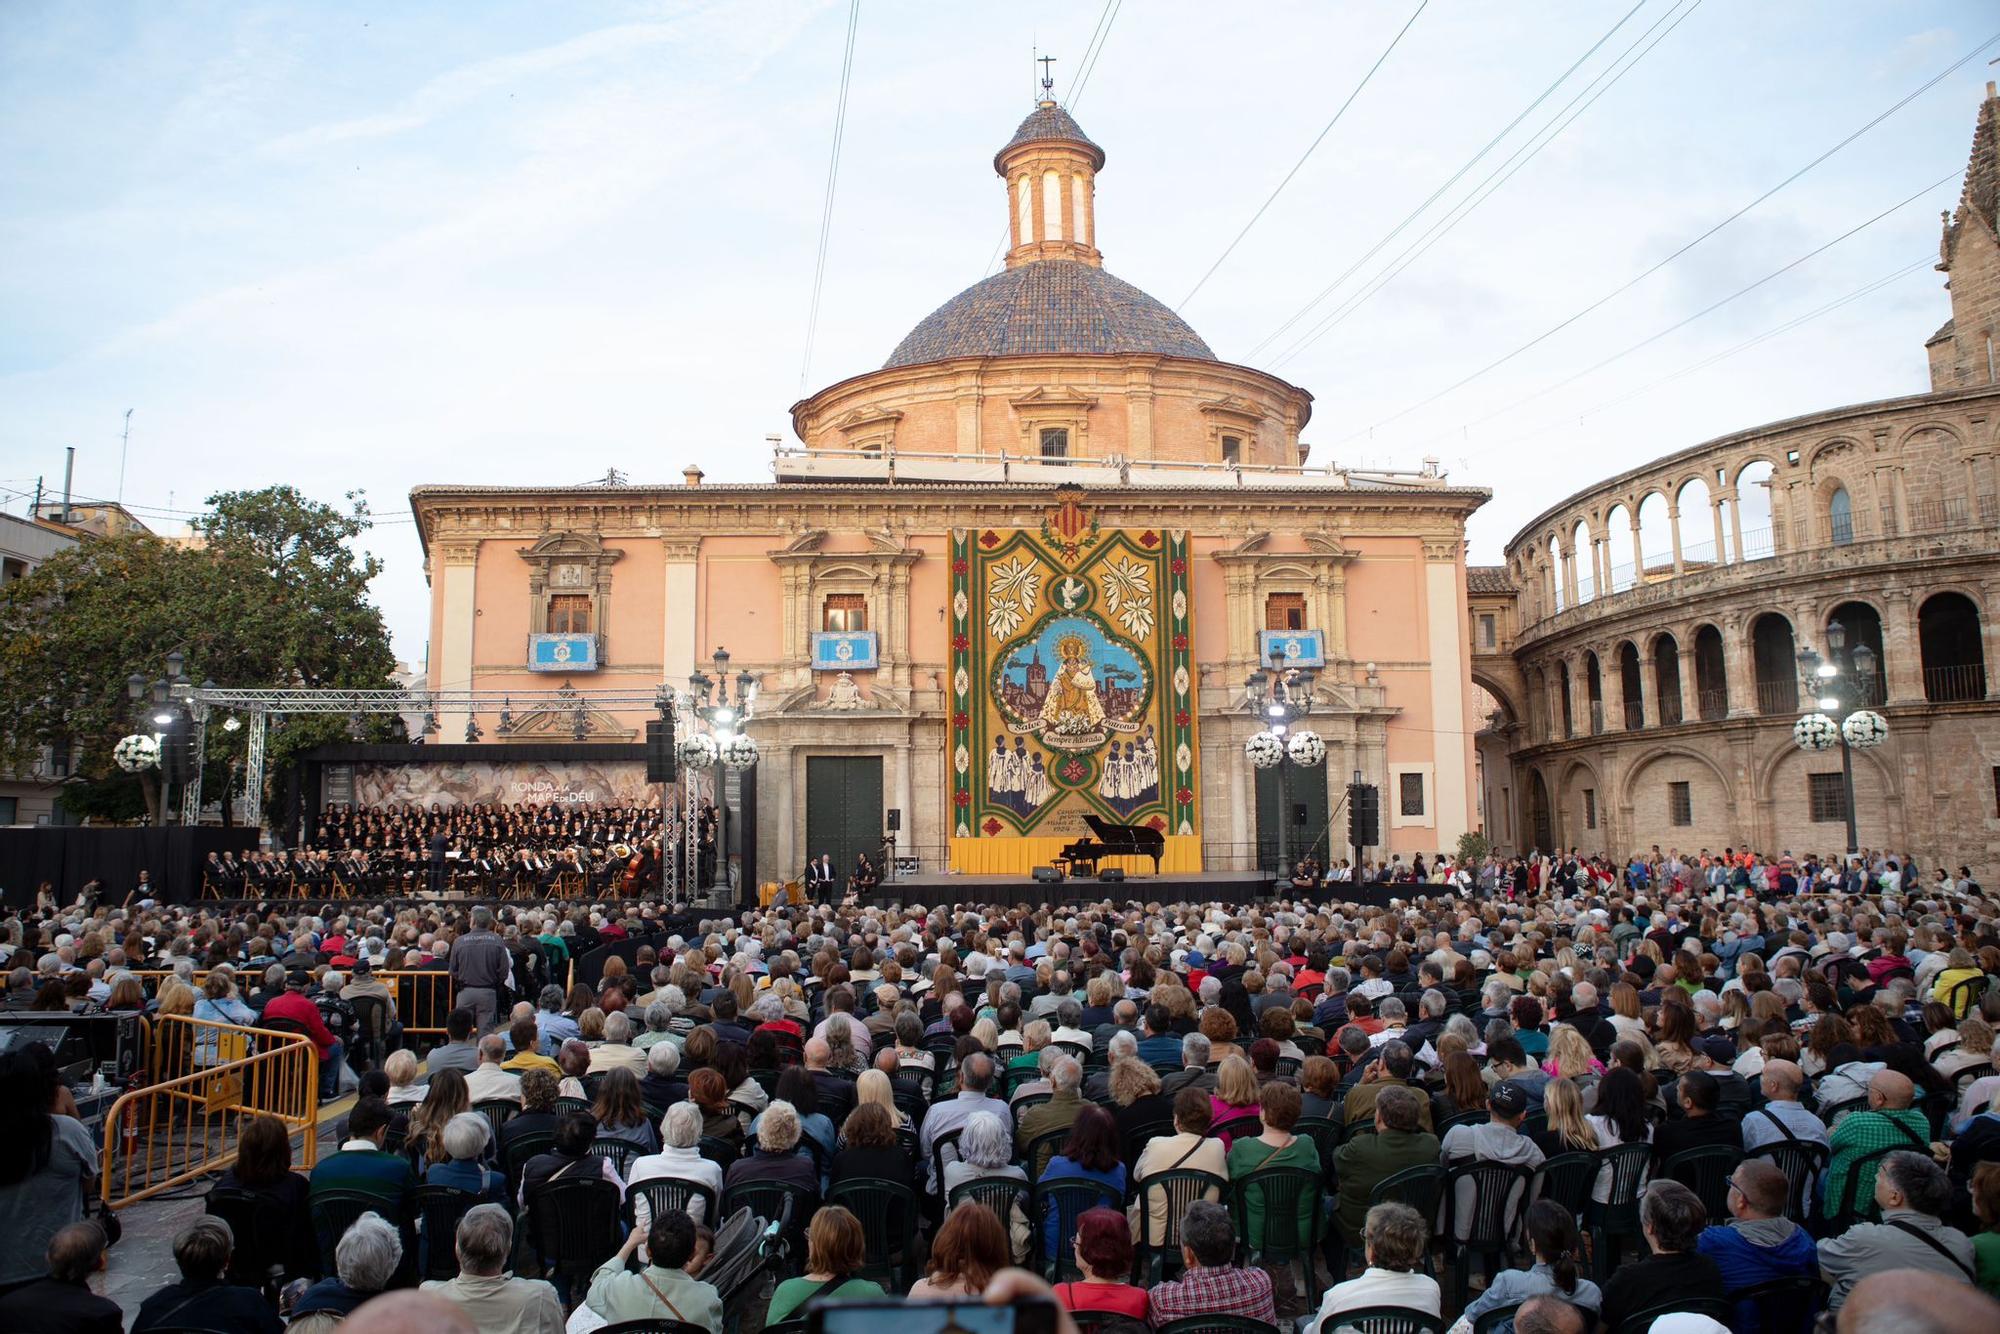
(1839, 693)
(1282, 697)
(709, 702)
(158, 708)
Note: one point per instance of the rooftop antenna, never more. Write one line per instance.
(1048, 79)
(124, 445)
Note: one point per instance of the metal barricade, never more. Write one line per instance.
(185, 1125)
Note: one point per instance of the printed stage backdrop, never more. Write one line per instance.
(1072, 691)
(614, 782)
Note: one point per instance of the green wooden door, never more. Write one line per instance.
(1305, 812)
(843, 809)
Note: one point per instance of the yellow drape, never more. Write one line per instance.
(1019, 856)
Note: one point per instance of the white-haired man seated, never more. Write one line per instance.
(495, 1302)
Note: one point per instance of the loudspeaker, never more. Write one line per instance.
(659, 751)
(1111, 875)
(1048, 875)
(895, 819)
(82, 1043)
(1364, 811)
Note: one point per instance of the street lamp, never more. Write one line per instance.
(1838, 694)
(711, 703)
(157, 709)
(1281, 697)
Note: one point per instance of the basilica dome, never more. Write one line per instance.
(1049, 306)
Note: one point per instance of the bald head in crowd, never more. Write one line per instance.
(1782, 1081)
(1913, 1301)
(1890, 1092)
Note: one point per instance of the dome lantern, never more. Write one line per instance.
(1050, 166)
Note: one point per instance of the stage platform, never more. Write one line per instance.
(1167, 887)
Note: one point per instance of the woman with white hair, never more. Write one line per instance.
(663, 1087)
(986, 1152)
(679, 1158)
(467, 1138)
(363, 1263)
(776, 1157)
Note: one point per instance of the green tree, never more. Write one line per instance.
(1472, 848)
(270, 594)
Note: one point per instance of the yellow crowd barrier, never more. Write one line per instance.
(186, 1124)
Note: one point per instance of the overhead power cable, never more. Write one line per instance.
(832, 177)
(1714, 306)
(1538, 139)
(1311, 148)
(1648, 272)
(1778, 330)
(1450, 181)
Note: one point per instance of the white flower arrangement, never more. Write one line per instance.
(1815, 731)
(1264, 750)
(136, 752)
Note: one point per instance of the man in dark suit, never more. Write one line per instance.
(438, 845)
(819, 875)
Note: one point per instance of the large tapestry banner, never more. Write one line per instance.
(1072, 689)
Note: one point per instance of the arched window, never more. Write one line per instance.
(1632, 686)
(1711, 676)
(1776, 661)
(1593, 685)
(1586, 562)
(1954, 663)
(1667, 671)
(1840, 517)
(1860, 625)
(1753, 510)
(1568, 714)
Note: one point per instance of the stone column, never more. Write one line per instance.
(1674, 527)
(1614, 693)
(1649, 686)
(1638, 551)
(1902, 651)
(1689, 696)
(904, 788)
(1735, 500)
(1451, 752)
(1989, 633)
(1740, 671)
(679, 598)
(454, 652)
(1715, 506)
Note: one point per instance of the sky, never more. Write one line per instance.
(377, 245)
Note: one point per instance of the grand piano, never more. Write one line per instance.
(1113, 840)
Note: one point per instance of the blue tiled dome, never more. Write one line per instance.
(1049, 306)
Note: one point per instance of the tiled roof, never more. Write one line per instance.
(1051, 305)
(1487, 579)
(1049, 121)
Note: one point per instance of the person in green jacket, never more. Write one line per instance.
(1276, 1147)
(1365, 1161)
(835, 1249)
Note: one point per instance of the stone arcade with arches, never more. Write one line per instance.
(1645, 631)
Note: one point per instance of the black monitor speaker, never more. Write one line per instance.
(82, 1043)
(895, 819)
(1111, 875)
(1048, 875)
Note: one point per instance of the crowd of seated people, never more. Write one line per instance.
(1583, 1102)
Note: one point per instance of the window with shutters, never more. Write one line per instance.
(845, 611)
(1285, 611)
(1826, 799)
(1590, 808)
(1410, 793)
(569, 614)
(1680, 804)
(1487, 633)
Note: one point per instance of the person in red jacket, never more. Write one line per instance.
(296, 1006)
